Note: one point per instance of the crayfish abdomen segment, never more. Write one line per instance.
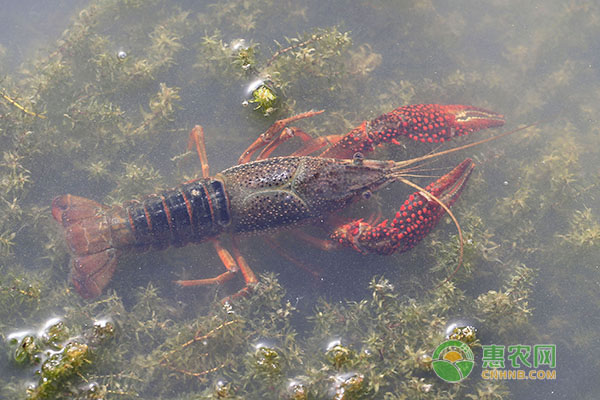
(96, 234)
(192, 212)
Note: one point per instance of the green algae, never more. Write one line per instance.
(84, 113)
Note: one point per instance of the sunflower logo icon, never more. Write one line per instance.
(452, 361)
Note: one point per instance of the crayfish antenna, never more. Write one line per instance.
(406, 163)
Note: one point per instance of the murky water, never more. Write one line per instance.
(98, 102)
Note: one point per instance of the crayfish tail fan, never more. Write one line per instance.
(87, 230)
(91, 273)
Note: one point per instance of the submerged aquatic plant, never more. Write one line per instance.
(59, 360)
(103, 106)
(584, 230)
(264, 98)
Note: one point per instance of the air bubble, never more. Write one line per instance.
(263, 94)
(238, 44)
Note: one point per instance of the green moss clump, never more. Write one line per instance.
(60, 361)
(264, 98)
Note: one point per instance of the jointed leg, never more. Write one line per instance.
(228, 261)
(286, 134)
(235, 263)
(318, 143)
(323, 244)
(277, 248)
(249, 276)
(197, 140)
(270, 134)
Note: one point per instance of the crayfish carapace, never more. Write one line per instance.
(269, 194)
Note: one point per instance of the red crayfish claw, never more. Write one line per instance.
(431, 123)
(413, 221)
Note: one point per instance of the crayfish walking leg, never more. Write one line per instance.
(232, 264)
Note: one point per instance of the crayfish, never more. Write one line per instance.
(268, 194)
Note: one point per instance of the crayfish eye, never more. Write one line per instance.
(366, 194)
(358, 158)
